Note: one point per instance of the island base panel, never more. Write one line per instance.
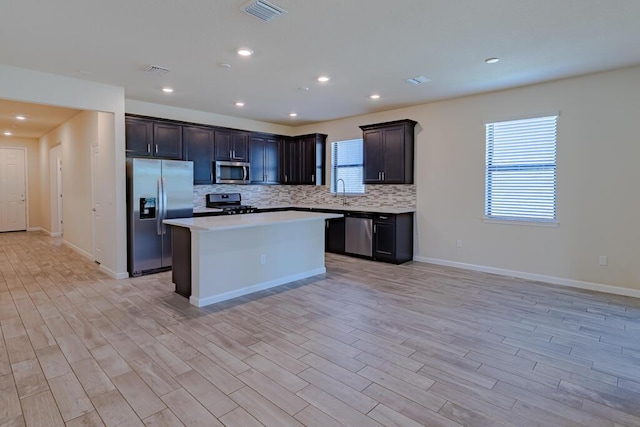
(229, 263)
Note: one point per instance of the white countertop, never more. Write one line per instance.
(227, 222)
(387, 210)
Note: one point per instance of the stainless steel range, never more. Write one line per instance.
(230, 203)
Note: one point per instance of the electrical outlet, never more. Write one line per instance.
(603, 260)
(263, 259)
(459, 243)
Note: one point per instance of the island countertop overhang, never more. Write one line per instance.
(217, 223)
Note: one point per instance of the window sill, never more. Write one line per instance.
(552, 224)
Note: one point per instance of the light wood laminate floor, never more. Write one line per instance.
(369, 344)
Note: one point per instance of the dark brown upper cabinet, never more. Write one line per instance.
(148, 138)
(232, 146)
(303, 160)
(264, 152)
(139, 137)
(198, 148)
(388, 152)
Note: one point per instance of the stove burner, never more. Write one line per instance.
(230, 203)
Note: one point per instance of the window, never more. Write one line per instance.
(521, 170)
(346, 164)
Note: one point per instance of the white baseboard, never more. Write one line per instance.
(34, 229)
(201, 302)
(78, 250)
(49, 233)
(599, 287)
(112, 273)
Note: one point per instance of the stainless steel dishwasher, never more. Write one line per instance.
(358, 228)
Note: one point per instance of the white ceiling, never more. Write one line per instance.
(366, 46)
(39, 119)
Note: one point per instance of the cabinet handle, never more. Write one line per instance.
(327, 224)
(148, 148)
(384, 217)
(286, 178)
(313, 178)
(211, 177)
(383, 176)
(379, 176)
(156, 148)
(375, 229)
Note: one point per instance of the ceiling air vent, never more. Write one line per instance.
(154, 69)
(418, 80)
(263, 10)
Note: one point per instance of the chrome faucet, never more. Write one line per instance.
(344, 191)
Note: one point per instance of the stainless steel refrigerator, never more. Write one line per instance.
(156, 190)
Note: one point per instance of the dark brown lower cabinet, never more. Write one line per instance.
(334, 236)
(393, 237)
(181, 259)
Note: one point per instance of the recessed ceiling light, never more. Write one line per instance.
(303, 88)
(239, 104)
(293, 114)
(324, 79)
(245, 51)
(167, 90)
(492, 60)
(21, 117)
(224, 65)
(375, 96)
(7, 133)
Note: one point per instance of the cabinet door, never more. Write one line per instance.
(307, 160)
(167, 140)
(198, 147)
(257, 154)
(223, 144)
(139, 137)
(290, 161)
(239, 147)
(394, 155)
(272, 161)
(372, 156)
(334, 235)
(384, 237)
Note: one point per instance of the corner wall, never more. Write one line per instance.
(597, 181)
(76, 137)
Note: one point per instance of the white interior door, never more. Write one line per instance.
(13, 189)
(58, 196)
(97, 232)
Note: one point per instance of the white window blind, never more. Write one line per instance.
(521, 169)
(346, 164)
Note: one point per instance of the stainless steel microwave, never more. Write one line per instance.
(232, 172)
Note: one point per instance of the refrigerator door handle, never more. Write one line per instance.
(164, 206)
(160, 208)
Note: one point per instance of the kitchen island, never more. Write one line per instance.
(223, 257)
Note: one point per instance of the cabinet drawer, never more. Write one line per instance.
(384, 218)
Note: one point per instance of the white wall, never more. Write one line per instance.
(597, 179)
(76, 137)
(33, 176)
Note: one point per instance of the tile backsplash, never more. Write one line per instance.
(396, 196)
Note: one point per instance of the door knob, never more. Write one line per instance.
(93, 209)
